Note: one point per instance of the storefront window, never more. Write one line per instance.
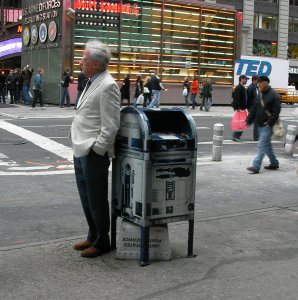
(293, 24)
(294, 2)
(270, 1)
(265, 21)
(264, 48)
(293, 51)
(179, 40)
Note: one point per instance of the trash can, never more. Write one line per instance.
(154, 172)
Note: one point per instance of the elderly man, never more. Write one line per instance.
(93, 133)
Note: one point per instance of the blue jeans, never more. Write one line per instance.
(186, 100)
(155, 100)
(193, 100)
(208, 103)
(265, 147)
(64, 94)
(92, 173)
(26, 96)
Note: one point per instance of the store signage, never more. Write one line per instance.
(10, 46)
(276, 69)
(253, 67)
(41, 11)
(106, 6)
(293, 70)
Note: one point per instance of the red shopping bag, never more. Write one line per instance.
(238, 120)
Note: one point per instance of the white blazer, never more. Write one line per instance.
(97, 118)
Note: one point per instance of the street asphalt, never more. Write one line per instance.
(245, 240)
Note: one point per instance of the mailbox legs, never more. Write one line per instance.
(144, 255)
(190, 239)
(113, 229)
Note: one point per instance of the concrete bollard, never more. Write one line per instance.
(290, 138)
(217, 141)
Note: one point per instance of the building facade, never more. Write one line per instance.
(189, 38)
(270, 28)
(10, 34)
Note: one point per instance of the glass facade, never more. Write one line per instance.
(293, 24)
(265, 21)
(178, 39)
(293, 51)
(264, 48)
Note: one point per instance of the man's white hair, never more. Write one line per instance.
(99, 52)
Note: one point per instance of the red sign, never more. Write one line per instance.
(105, 6)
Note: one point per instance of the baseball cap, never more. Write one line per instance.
(243, 77)
(263, 78)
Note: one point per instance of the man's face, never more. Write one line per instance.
(244, 81)
(89, 67)
(263, 86)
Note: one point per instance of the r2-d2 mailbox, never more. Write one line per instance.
(154, 172)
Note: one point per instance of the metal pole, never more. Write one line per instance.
(113, 229)
(144, 255)
(190, 239)
(290, 138)
(217, 141)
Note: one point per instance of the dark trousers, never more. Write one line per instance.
(37, 97)
(91, 173)
(147, 99)
(2, 94)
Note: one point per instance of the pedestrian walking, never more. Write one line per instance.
(206, 94)
(93, 132)
(138, 90)
(194, 89)
(147, 91)
(66, 80)
(37, 89)
(125, 89)
(252, 92)
(156, 86)
(82, 81)
(2, 87)
(27, 75)
(10, 85)
(186, 90)
(265, 112)
(239, 102)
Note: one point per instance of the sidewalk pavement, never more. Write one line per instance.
(245, 239)
(21, 111)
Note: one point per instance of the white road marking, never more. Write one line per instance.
(8, 163)
(41, 126)
(230, 142)
(39, 140)
(29, 168)
(2, 155)
(58, 172)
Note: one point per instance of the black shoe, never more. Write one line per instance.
(252, 170)
(271, 167)
(236, 139)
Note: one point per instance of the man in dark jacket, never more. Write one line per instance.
(2, 86)
(252, 92)
(26, 75)
(239, 101)
(82, 81)
(265, 112)
(156, 87)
